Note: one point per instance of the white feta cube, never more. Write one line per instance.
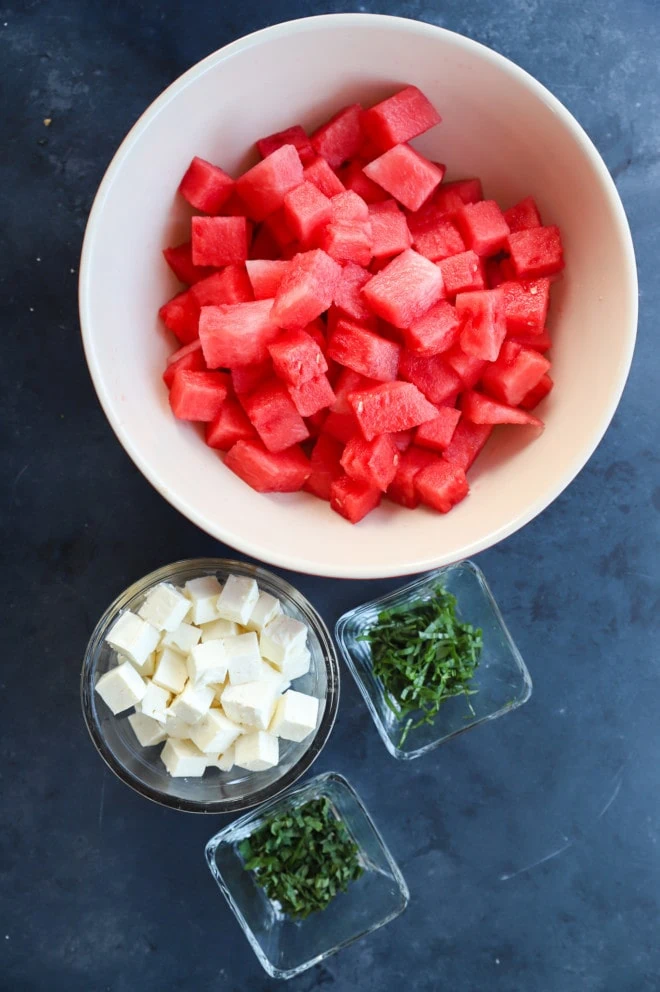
(165, 608)
(295, 716)
(193, 703)
(214, 733)
(251, 704)
(283, 638)
(243, 658)
(147, 731)
(256, 752)
(219, 629)
(225, 762)
(175, 727)
(121, 687)
(133, 637)
(238, 599)
(182, 759)
(269, 674)
(154, 702)
(207, 663)
(183, 639)
(265, 609)
(204, 592)
(297, 665)
(146, 670)
(170, 671)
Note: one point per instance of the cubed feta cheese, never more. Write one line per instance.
(175, 727)
(182, 759)
(250, 704)
(295, 716)
(265, 609)
(165, 608)
(207, 663)
(256, 752)
(297, 665)
(121, 687)
(133, 637)
(204, 592)
(243, 658)
(146, 670)
(154, 702)
(225, 762)
(193, 703)
(214, 733)
(282, 638)
(170, 671)
(147, 731)
(269, 674)
(183, 639)
(218, 629)
(238, 599)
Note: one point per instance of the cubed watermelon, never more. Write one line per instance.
(391, 407)
(536, 252)
(483, 227)
(295, 136)
(438, 239)
(389, 229)
(307, 289)
(441, 485)
(198, 395)
(523, 215)
(405, 289)
(341, 426)
(312, 396)
(237, 333)
(399, 118)
(264, 186)
(526, 305)
(467, 442)
(484, 327)
(349, 382)
(307, 211)
(403, 439)
(348, 242)
(516, 371)
(468, 368)
(297, 357)
(316, 421)
(325, 465)
(265, 276)
(402, 489)
(291, 250)
(348, 206)
(246, 378)
(373, 462)
(181, 316)
(353, 177)
(348, 296)
(436, 434)
(317, 331)
(538, 342)
(264, 246)
(481, 409)
(462, 273)
(188, 357)
(319, 172)
(219, 241)
(363, 351)
(205, 186)
(231, 285)
(274, 416)
(436, 331)
(493, 273)
(342, 136)
(432, 376)
(463, 190)
(353, 499)
(229, 426)
(406, 175)
(266, 471)
(277, 226)
(179, 259)
(532, 399)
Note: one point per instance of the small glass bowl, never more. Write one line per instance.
(501, 679)
(286, 947)
(217, 791)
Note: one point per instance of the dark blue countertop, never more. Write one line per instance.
(531, 845)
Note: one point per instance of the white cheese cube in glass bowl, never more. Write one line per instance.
(181, 773)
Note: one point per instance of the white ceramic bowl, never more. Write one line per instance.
(498, 123)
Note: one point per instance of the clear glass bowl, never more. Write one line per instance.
(501, 680)
(285, 947)
(216, 791)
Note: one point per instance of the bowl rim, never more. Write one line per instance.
(306, 759)
(351, 569)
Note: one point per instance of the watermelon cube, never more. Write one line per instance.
(389, 230)
(483, 227)
(316, 421)
(438, 239)
(402, 489)
(353, 177)
(219, 240)
(264, 246)
(265, 276)
(278, 228)
(297, 357)
(229, 426)
(181, 316)
(317, 331)
(197, 395)
(188, 357)
(295, 136)
(526, 305)
(538, 393)
(403, 439)
(536, 252)
(237, 333)
(462, 273)
(436, 331)
(538, 342)
(307, 211)
(406, 175)
(267, 471)
(436, 434)
(349, 382)
(432, 376)
(523, 215)
(467, 191)
(353, 499)
(246, 378)
(341, 138)
(325, 464)
(441, 485)
(341, 426)
(373, 462)
(516, 371)
(231, 285)
(363, 351)
(467, 442)
(405, 289)
(348, 242)
(348, 297)
(179, 259)
(399, 118)
(493, 273)
(467, 367)
(319, 172)
(484, 327)
(348, 206)
(274, 416)
(205, 186)
(264, 186)
(312, 396)
(306, 290)
(390, 407)
(480, 409)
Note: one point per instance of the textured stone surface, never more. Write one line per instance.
(531, 845)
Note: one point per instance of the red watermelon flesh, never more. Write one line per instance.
(266, 471)
(325, 465)
(312, 396)
(319, 172)
(483, 227)
(265, 276)
(438, 240)
(263, 187)
(205, 186)
(399, 118)
(526, 305)
(405, 289)
(538, 393)
(441, 485)
(347, 207)
(188, 357)
(436, 331)
(231, 285)
(462, 273)
(181, 316)
(246, 378)
(436, 434)
(219, 241)
(432, 376)
(467, 367)
(179, 259)
(348, 242)
(536, 252)
(341, 138)
(402, 489)
(229, 426)
(389, 230)
(353, 499)
(348, 297)
(353, 177)
(374, 462)
(403, 439)
(341, 426)
(198, 395)
(297, 357)
(347, 383)
(264, 246)
(467, 442)
(363, 351)
(523, 215)
(307, 289)
(307, 211)
(484, 327)
(538, 342)
(277, 226)
(480, 409)
(295, 136)
(274, 416)
(391, 407)
(237, 333)
(405, 174)
(516, 371)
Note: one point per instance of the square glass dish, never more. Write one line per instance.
(501, 681)
(287, 947)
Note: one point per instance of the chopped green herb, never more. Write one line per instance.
(423, 654)
(302, 858)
